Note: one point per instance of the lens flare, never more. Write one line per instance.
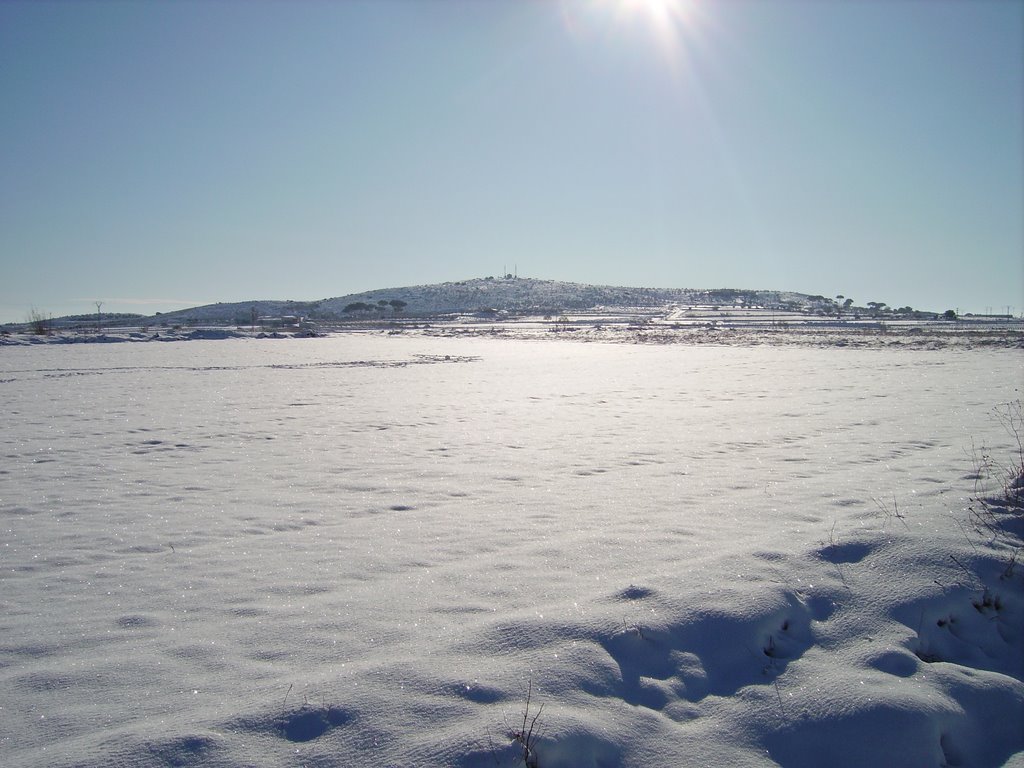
(671, 29)
(669, 20)
(665, 15)
(660, 11)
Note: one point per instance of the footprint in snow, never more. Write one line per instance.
(309, 724)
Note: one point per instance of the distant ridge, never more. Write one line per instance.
(502, 294)
(485, 295)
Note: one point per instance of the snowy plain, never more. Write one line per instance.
(369, 550)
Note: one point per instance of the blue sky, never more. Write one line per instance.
(158, 155)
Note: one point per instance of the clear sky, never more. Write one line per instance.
(159, 155)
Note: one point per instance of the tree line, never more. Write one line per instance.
(381, 306)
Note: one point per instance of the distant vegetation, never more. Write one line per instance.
(381, 306)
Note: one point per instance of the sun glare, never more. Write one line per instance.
(662, 13)
(668, 27)
(668, 19)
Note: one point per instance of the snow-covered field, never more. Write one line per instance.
(370, 550)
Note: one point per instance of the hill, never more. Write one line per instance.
(507, 294)
(510, 295)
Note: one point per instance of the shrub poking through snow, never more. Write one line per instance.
(989, 637)
(527, 734)
(999, 511)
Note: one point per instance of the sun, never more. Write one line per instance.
(669, 20)
(659, 10)
(662, 13)
(673, 26)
